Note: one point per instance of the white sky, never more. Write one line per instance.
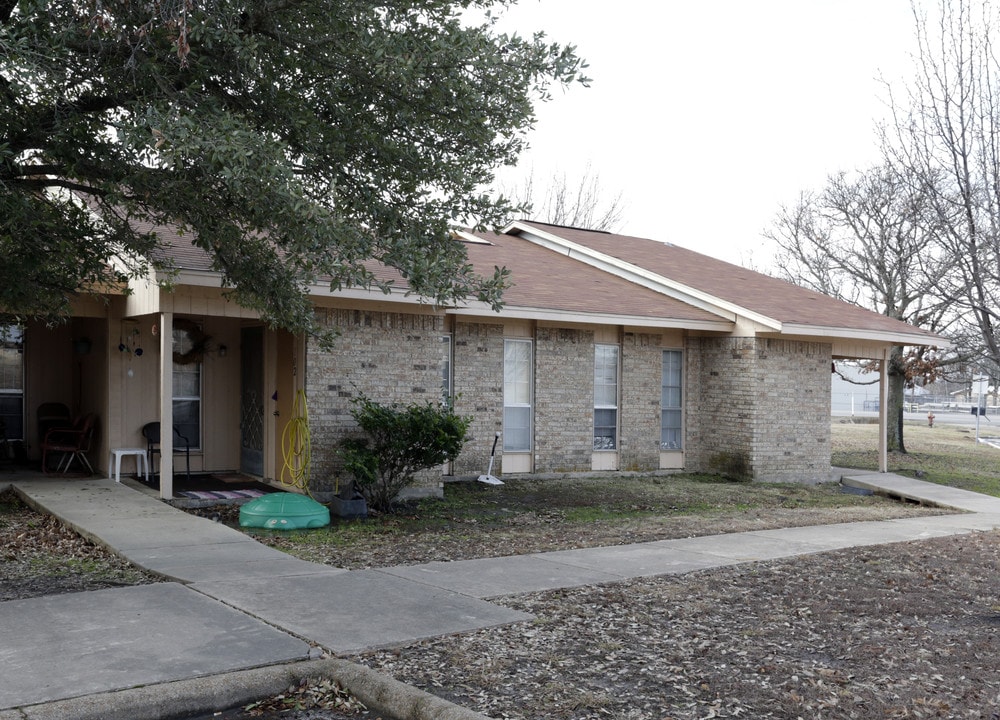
(707, 115)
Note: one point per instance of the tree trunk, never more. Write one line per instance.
(897, 396)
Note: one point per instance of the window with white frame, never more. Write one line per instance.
(605, 397)
(670, 401)
(446, 376)
(12, 381)
(517, 384)
(187, 344)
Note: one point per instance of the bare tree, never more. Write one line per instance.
(872, 238)
(946, 136)
(581, 204)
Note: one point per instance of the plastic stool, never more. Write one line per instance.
(115, 458)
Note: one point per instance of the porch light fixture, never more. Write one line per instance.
(223, 350)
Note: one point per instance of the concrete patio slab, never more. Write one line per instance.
(493, 577)
(359, 610)
(63, 646)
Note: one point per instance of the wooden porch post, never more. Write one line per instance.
(883, 413)
(166, 405)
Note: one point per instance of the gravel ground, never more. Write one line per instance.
(900, 631)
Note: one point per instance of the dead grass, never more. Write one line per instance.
(528, 516)
(945, 454)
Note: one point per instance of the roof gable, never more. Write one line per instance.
(720, 286)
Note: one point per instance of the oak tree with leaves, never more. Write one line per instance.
(294, 140)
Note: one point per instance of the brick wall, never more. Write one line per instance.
(759, 408)
(642, 377)
(478, 371)
(564, 399)
(390, 357)
(793, 411)
(755, 408)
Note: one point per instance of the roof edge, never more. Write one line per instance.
(589, 318)
(897, 338)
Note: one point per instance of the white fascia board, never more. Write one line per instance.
(200, 278)
(398, 295)
(641, 276)
(469, 237)
(563, 316)
(896, 338)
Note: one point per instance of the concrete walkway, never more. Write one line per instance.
(232, 604)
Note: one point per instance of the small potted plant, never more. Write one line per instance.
(347, 502)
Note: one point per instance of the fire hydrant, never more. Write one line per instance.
(930, 419)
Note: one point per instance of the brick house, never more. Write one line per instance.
(611, 353)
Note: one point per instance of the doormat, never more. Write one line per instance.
(233, 478)
(220, 494)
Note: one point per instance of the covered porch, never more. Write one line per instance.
(187, 359)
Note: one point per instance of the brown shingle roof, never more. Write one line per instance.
(547, 280)
(762, 294)
(544, 279)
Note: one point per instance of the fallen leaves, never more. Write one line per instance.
(861, 633)
(318, 696)
(41, 556)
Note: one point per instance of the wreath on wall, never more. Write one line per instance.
(192, 346)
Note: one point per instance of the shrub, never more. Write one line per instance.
(399, 441)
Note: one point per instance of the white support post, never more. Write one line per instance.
(883, 413)
(166, 405)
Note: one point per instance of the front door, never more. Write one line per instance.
(252, 401)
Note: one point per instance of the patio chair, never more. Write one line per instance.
(151, 431)
(73, 443)
(52, 415)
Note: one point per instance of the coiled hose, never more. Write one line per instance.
(295, 446)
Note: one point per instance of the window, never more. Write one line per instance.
(446, 378)
(605, 397)
(517, 383)
(12, 381)
(670, 402)
(188, 344)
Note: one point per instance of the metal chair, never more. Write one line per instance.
(73, 442)
(151, 431)
(52, 415)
